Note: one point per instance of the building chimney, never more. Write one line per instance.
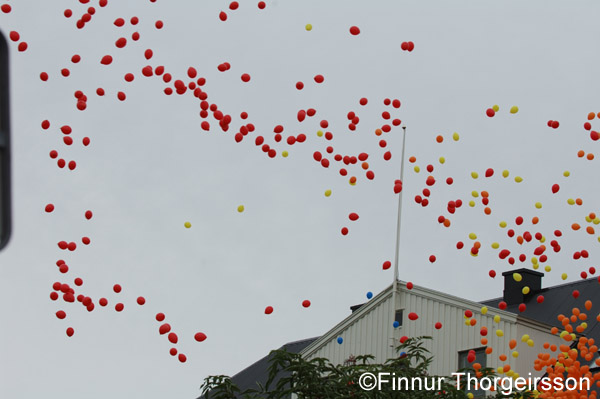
(513, 290)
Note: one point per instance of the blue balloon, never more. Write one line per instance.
(396, 324)
(340, 340)
(369, 295)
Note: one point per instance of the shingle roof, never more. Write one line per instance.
(258, 372)
(559, 299)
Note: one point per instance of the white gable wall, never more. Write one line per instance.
(369, 330)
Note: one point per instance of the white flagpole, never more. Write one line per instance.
(397, 255)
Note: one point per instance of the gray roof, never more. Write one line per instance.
(258, 372)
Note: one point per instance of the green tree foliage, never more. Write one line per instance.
(320, 379)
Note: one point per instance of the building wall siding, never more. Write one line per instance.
(371, 331)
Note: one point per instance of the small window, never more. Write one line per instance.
(481, 358)
(398, 317)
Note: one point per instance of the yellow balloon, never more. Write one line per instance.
(284, 154)
(571, 201)
(538, 205)
(308, 27)
(563, 333)
(470, 395)
(496, 108)
(566, 173)
(530, 343)
(417, 169)
(564, 276)
(474, 175)
(187, 225)
(500, 370)
(514, 109)
(596, 221)
(517, 277)
(505, 173)
(543, 239)
(327, 193)
(240, 208)
(497, 318)
(525, 337)
(536, 266)
(484, 310)
(319, 133)
(467, 322)
(588, 219)
(475, 194)
(547, 268)
(518, 179)
(525, 290)
(472, 236)
(515, 354)
(534, 260)
(583, 325)
(495, 245)
(500, 333)
(471, 204)
(442, 160)
(455, 136)
(503, 224)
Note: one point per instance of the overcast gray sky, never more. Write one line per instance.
(150, 168)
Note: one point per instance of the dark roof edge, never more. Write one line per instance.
(587, 280)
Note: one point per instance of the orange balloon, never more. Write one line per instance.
(487, 210)
(580, 153)
(590, 156)
(502, 357)
(579, 201)
(512, 344)
(590, 230)
(412, 159)
(588, 304)
(535, 220)
(575, 226)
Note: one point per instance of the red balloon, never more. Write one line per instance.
(432, 258)
(413, 316)
(103, 302)
(49, 208)
(245, 77)
(164, 328)
(344, 231)
(173, 351)
(575, 294)
(490, 112)
(483, 331)
(353, 216)
(119, 307)
(61, 314)
(492, 273)
(409, 285)
(141, 300)
(522, 307)
(160, 316)
(269, 310)
(200, 336)
(555, 188)
(173, 338)
(387, 264)
(106, 60)
(88, 215)
(438, 325)
(117, 288)
(489, 172)
(502, 305)
(70, 332)
(306, 303)
(354, 30)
